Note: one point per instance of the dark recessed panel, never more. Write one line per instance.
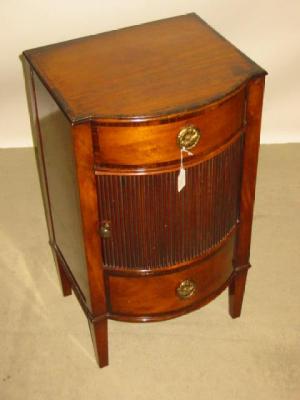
(152, 225)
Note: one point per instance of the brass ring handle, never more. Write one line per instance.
(186, 289)
(188, 137)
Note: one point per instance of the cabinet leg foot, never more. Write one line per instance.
(236, 293)
(100, 341)
(64, 281)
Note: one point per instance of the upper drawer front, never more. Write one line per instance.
(144, 145)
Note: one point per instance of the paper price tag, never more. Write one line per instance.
(181, 175)
(181, 180)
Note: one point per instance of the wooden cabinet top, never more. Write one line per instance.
(144, 72)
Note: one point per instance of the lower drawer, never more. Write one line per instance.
(171, 292)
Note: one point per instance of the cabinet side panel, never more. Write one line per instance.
(28, 75)
(56, 141)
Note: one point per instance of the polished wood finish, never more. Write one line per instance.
(183, 226)
(36, 122)
(82, 139)
(99, 335)
(134, 72)
(146, 297)
(106, 111)
(243, 241)
(236, 292)
(66, 286)
(37, 142)
(141, 145)
(56, 138)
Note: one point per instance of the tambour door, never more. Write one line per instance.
(147, 225)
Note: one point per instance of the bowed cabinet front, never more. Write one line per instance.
(149, 210)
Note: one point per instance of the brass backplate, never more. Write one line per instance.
(186, 289)
(188, 137)
(105, 229)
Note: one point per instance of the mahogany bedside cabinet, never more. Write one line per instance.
(147, 144)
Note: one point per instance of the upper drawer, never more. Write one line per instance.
(158, 143)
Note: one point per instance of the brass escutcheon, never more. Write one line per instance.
(188, 137)
(105, 229)
(186, 289)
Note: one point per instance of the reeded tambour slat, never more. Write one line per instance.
(154, 226)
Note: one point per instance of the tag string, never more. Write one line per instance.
(184, 150)
(181, 175)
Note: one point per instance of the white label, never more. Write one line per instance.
(181, 179)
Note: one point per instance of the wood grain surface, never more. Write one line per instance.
(153, 226)
(106, 111)
(143, 297)
(143, 146)
(155, 69)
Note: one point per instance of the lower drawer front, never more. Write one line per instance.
(165, 293)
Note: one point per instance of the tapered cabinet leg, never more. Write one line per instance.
(241, 257)
(236, 293)
(100, 341)
(64, 281)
